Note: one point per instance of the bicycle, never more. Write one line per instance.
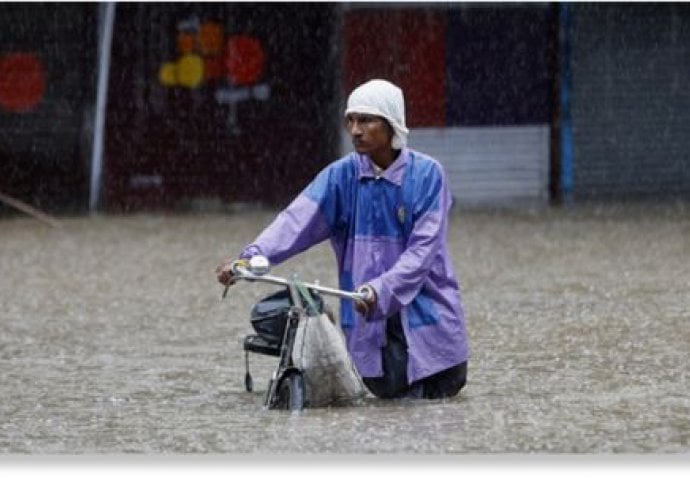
(276, 319)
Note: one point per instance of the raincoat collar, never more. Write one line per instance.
(394, 173)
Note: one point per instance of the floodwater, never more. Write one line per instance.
(114, 339)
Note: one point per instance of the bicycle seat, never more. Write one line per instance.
(258, 344)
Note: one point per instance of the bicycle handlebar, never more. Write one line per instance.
(242, 273)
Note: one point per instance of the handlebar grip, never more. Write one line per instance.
(367, 293)
(237, 264)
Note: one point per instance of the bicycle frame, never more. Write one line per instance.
(285, 366)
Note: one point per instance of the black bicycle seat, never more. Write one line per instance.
(258, 344)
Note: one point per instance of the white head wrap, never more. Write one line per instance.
(382, 98)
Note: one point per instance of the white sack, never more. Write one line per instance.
(330, 377)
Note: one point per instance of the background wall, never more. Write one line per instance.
(218, 103)
(254, 126)
(47, 92)
(479, 84)
(630, 101)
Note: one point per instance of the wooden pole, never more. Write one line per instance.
(29, 210)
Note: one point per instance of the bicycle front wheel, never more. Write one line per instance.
(291, 395)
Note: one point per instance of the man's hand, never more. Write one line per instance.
(369, 302)
(225, 274)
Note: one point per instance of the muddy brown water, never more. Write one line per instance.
(113, 339)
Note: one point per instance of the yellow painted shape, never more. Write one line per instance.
(167, 74)
(190, 70)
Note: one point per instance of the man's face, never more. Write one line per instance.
(370, 133)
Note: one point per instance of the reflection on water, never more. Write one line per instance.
(114, 339)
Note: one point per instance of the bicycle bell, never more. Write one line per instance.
(259, 265)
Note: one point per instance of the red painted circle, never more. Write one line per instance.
(22, 81)
(244, 59)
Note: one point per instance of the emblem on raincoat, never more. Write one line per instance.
(401, 214)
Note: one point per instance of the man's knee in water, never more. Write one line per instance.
(445, 384)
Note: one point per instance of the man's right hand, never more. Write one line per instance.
(225, 274)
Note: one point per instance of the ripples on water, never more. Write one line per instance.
(114, 339)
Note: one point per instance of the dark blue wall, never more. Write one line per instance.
(501, 65)
(630, 100)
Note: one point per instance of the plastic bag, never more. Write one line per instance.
(330, 377)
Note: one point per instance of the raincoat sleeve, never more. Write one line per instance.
(398, 286)
(299, 226)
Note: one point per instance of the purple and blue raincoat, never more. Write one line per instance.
(389, 231)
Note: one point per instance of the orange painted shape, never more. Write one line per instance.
(211, 36)
(22, 82)
(244, 59)
(186, 42)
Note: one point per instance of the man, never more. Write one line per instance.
(385, 210)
